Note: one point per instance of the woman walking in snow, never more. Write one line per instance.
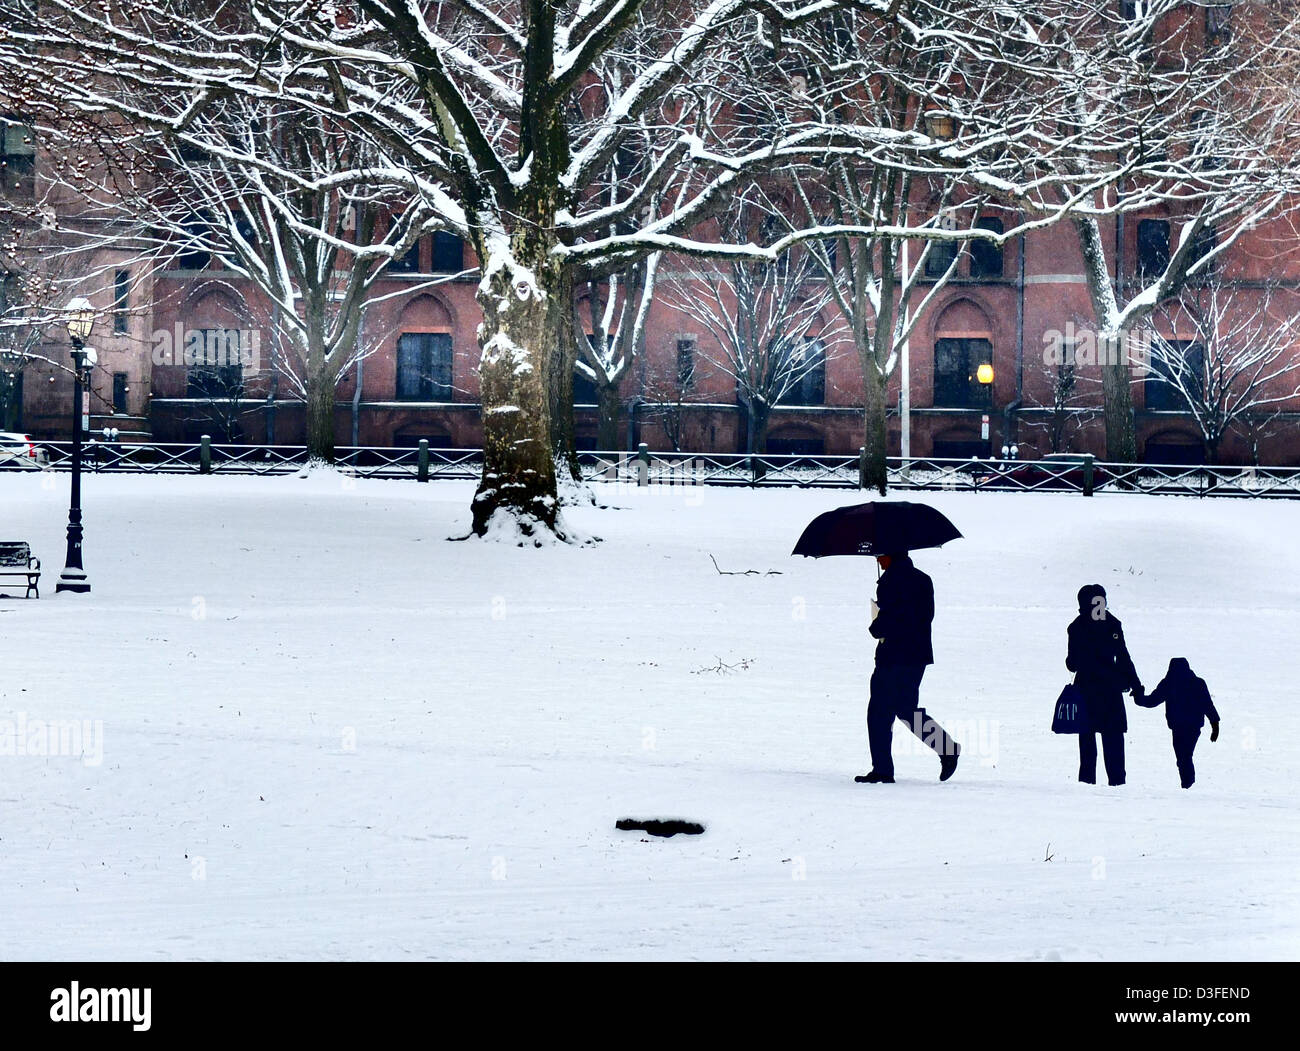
(1103, 671)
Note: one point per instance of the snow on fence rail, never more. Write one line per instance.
(1082, 475)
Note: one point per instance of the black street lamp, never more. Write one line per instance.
(81, 319)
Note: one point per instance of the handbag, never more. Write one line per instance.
(1071, 713)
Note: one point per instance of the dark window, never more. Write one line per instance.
(1181, 454)
(213, 366)
(194, 255)
(424, 366)
(17, 158)
(584, 389)
(214, 381)
(956, 382)
(796, 446)
(448, 253)
(685, 364)
(408, 263)
(11, 401)
(119, 393)
(1218, 24)
(1203, 244)
(247, 231)
(986, 257)
(411, 440)
(1182, 362)
(121, 300)
(808, 367)
(1153, 248)
(941, 254)
(959, 449)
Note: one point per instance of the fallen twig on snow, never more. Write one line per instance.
(743, 572)
(722, 667)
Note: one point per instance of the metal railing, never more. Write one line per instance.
(1086, 475)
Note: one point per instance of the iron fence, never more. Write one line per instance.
(1081, 475)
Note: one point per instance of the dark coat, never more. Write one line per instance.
(905, 597)
(1102, 668)
(1185, 696)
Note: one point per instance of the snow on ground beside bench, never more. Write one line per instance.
(328, 732)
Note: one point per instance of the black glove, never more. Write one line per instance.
(1139, 692)
(1214, 731)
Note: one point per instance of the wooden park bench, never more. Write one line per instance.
(16, 561)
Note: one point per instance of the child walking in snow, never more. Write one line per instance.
(1187, 705)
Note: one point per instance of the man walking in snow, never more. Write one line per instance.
(904, 610)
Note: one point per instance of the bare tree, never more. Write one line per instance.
(1206, 135)
(765, 324)
(504, 118)
(305, 212)
(1072, 401)
(1237, 361)
(610, 334)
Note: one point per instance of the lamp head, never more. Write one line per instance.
(81, 319)
(984, 373)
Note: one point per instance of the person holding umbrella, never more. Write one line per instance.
(902, 614)
(904, 611)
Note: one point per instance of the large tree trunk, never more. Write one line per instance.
(519, 344)
(1121, 439)
(1212, 450)
(874, 470)
(320, 417)
(607, 429)
(760, 416)
(559, 380)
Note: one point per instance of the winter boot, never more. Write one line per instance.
(948, 765)
(874, 778)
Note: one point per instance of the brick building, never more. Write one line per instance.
(419, 379)
(1004, 308)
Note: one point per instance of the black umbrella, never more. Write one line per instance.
(876, 528)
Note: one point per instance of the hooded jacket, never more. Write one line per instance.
(1185, 696)
(905, 597)
(1099, 658)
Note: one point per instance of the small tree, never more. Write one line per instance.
(1238, 361)
(1070, 406)
(760, 316)
(609, 330)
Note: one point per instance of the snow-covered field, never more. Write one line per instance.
(327, 732)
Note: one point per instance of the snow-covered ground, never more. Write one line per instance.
(327, 732)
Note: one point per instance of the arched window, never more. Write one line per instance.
(425, 352)
(807, 373)
(424, 366)
(963, 342)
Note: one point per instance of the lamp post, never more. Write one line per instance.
(81, 319)
(985, 376)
